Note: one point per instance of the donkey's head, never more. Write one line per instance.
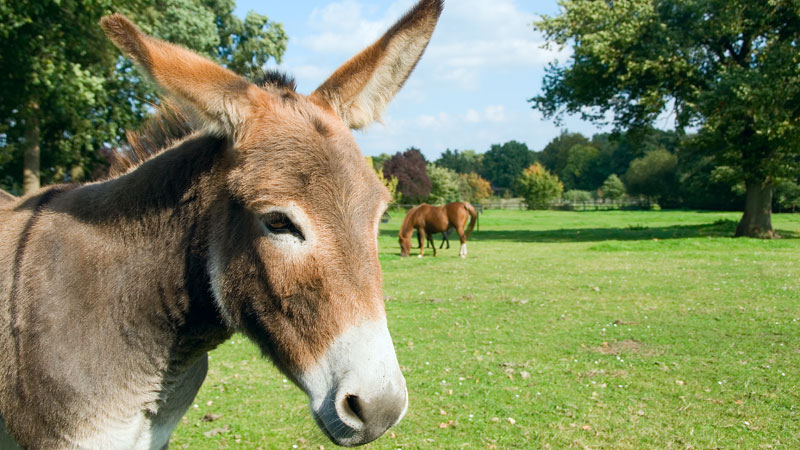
(293, 257)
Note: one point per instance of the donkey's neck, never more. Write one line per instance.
(155, 219)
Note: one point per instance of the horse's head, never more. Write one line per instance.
(405, 243)
(293, 253)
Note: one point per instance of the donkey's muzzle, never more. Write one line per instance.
(357, 391)
(360, 419)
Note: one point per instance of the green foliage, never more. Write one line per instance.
(390, 182)
(613, 188)
(577, 196)
(445, 185)
(502, 164)
(380, 160)
(581, 170)
(787, 195)
(729, 67)
(474, 188)
(461, 162)
(539, 187)
(62, 76)
(653, 176)
(555, 153)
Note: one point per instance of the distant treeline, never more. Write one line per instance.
(649, 166)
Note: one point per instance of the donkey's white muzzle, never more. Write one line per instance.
(356, 389)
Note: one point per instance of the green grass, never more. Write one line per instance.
(600, 330)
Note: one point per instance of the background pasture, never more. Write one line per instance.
(563, 330)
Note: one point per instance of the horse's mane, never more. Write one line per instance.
(407, 220)
(171, 124)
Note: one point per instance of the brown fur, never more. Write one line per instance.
(6, 198)
(106, 303)
(427, 220)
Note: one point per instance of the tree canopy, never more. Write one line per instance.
(410, 169)
(729, 67)
(67, 92)
(502, 164)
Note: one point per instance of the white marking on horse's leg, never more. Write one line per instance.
(463, 251)
(360, 367)
(419, 256)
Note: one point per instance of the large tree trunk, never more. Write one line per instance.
(757, 218)
(31, 157)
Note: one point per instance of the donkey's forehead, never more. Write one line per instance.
(296, 149)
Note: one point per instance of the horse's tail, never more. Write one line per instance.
(473, 217)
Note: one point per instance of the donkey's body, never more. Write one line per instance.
(102, 350)
(427, 220)
(112, 293)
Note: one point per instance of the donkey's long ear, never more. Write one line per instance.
(360, 90)
(216, 93)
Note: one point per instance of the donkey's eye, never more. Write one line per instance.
(279, 223)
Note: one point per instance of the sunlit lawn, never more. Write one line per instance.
(595, 330)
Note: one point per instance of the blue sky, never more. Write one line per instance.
(469, 91)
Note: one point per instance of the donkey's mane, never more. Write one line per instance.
(171, 124)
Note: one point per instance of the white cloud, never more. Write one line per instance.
(477, 36)
(437, 122)
(343, 27)
(495, 113)
(492, 113)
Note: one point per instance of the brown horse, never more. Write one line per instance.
(427, 220)
(263, 220)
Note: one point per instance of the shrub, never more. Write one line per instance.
(577, 196)
(613, 188)
(444, 185)
(474, 188)
(539, 187)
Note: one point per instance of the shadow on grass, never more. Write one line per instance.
(720, 228)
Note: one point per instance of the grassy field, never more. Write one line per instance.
(594, 330)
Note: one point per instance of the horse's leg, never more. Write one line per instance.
(461, 236)
(431, 244)
(421, 234)
(445, 239)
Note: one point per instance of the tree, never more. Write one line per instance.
(728, 66)
(461, 162)
(444, 185)
(502, 164)
(555, 153)
(410, 170)
(474, 188)
(654, 176)
(613, 188)
(380, 160)
(539, 187)
(581, 170)
(67, 92)
(787, 195)
(390, 182)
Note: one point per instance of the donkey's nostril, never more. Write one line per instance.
(353, 403)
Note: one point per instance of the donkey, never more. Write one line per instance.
(263, 221)
(427, 220)
(6, 198)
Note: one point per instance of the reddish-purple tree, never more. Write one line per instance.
(412, 177)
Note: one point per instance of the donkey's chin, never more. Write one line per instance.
(356, 390)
